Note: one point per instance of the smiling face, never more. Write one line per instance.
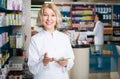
(49, 19)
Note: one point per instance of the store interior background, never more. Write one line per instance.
(81, 68)
(78, 71)
(36, 5)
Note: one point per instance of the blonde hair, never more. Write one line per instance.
(55, 9)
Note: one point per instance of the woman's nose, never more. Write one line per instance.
(49, 18)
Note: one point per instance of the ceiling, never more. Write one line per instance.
(38, 2)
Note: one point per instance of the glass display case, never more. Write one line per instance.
(105, 59)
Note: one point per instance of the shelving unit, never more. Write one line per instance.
(106, 11)
(82, 16)
(5, 32)
(82, 19)
(116, 24)
(10, 25)
(12, 19)
(4, 48)
(66, 19)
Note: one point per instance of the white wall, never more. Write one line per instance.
(26, 28)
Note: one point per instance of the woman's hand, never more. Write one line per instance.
(47, 59)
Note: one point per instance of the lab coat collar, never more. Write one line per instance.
(49, 33)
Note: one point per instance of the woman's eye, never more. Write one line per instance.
(45, 15)
(48, 15)
(53, 15)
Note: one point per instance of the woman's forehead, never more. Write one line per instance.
(48, 10)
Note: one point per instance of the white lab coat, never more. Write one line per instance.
(99, 40)
(57, 45)
(98, 35)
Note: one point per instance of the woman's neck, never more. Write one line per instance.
(50, 30)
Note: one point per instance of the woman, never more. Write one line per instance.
(99, 37)
(50, 51)
(98, 32)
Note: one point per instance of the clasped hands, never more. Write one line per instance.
(48, 59)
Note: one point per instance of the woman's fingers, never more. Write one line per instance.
(47, 59)
(46, 55)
